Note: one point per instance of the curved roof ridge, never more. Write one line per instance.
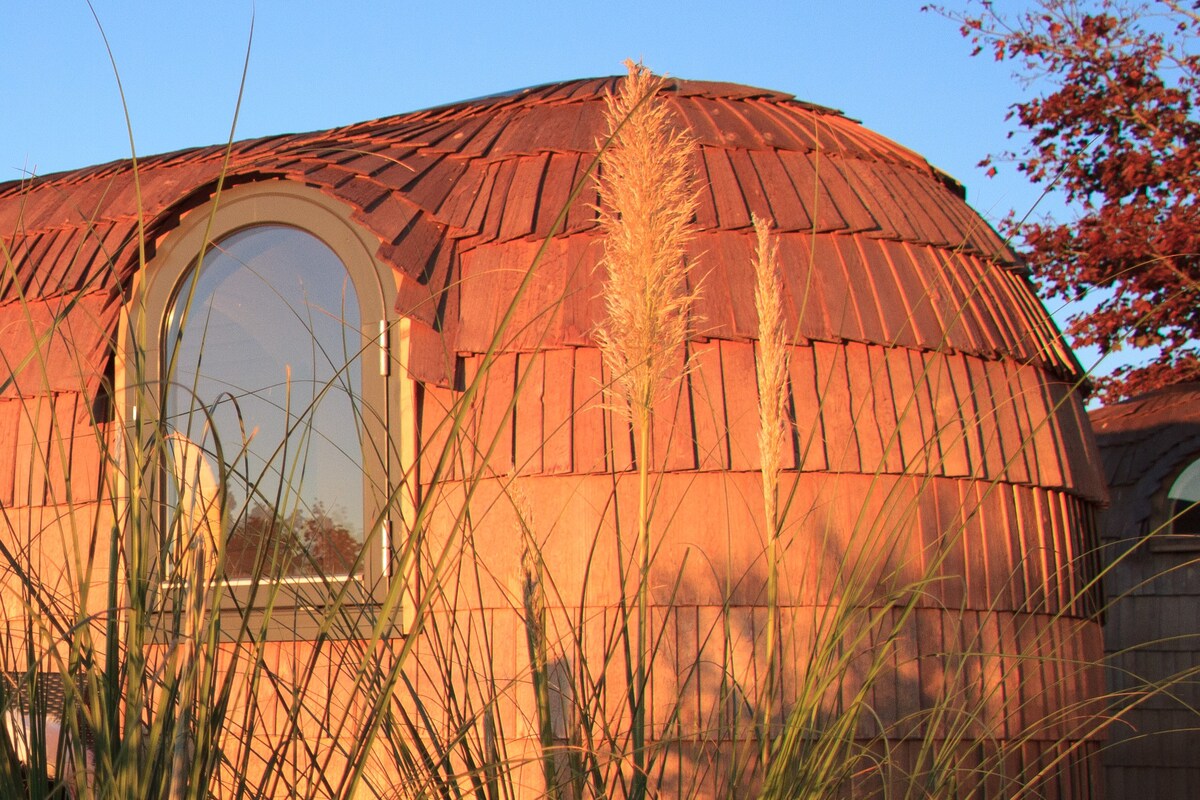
(573, 90)
(585, 88)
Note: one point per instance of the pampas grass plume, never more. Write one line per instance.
(772, 362)
(648, 201)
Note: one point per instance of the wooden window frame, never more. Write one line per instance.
(279, 203)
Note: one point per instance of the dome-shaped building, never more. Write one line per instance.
(934, 617)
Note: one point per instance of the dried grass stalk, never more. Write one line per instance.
(647, 204)
(772, 370)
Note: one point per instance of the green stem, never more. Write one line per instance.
(535, 638)
(772, 610)
(638, 789)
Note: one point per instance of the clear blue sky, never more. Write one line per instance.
(904, 73)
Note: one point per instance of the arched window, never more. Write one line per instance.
(1183, 499)
(264, 398)
(262, 358)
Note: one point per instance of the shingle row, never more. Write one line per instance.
(60, 344)
(52, 452)
(856, 409)
(837, 288)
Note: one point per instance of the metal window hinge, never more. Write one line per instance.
(386, 536)
(384, 349)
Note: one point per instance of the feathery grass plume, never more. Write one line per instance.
(647, 203)
(771, 365)
(772, 369)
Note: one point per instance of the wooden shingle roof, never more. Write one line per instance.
(878, 247)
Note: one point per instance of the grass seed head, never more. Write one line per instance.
(772, 362)
(647, 204)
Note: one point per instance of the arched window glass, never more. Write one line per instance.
(1183, 498)
(262, 354)
(257, 380)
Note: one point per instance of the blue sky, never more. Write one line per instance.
(312, 65)
(905, 73)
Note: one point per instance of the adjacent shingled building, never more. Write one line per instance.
(1153, 587)
(937, 443)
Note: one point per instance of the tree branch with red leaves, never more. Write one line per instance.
(1113, 126)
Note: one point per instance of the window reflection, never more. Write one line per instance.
(1184, 497)
(263, 353)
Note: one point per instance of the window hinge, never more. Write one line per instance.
(387, 547)
(384, 347)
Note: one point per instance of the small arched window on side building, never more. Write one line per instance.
(1183, 504)
(1174, 523)
(264, 396)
